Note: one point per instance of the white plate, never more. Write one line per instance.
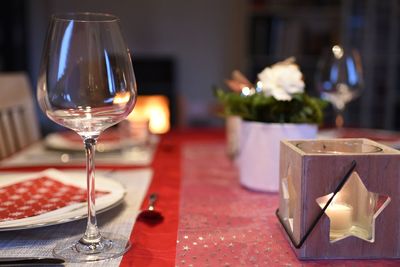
(38, 155)
(68, 213)
(61, 141)
(109, 141)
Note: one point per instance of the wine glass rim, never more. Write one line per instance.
(85, 17)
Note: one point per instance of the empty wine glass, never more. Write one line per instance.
(87, 84)
(339, 78)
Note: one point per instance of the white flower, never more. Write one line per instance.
(282, 80)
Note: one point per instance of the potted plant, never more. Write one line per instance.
(276, 108)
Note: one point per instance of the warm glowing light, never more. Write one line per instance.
(337, 51)
(154, 109)
(246, 91)
(121, 97)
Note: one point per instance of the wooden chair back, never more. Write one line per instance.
(18, 120)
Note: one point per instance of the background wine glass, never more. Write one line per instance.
(339, 78)
(87, 84)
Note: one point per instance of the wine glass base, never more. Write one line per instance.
(110, 246)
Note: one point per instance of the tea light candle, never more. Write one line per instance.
(341, 216)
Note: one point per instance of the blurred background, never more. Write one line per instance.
(182, 49)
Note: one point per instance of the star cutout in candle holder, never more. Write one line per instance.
(289, 196)
(353, 210)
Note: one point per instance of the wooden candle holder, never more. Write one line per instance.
(340, 199)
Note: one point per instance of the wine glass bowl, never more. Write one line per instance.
(339, 78)
(87, 84)
(86, 77)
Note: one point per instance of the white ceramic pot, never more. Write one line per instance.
(258, 159)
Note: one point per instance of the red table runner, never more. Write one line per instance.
(221, 223)
(155, 245)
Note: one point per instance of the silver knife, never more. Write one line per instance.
(15, 261)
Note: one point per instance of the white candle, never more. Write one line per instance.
(341, 216)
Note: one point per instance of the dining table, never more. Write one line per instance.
(209, 218)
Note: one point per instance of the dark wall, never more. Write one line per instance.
(13, 50)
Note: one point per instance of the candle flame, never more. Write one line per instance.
(153, 109)
(121, 97)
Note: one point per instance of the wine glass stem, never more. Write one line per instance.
(92, 234)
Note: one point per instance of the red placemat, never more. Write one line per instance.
(33, 197)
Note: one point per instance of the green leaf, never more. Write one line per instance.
(258, 107)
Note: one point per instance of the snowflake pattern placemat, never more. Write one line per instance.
(36, 196)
